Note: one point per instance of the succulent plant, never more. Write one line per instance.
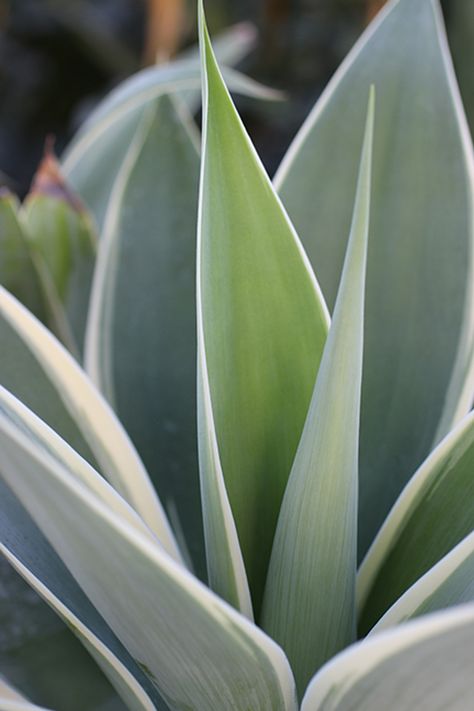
(315, 548)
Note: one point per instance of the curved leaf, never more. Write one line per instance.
(198, 651)
(60, 229)
(27, 550)
(17, 270)
(262, 324)
(450, 582)
(418, 359)
(37, 369)
(93, 159)
(424, 665)
(309, 604)
(433, 513)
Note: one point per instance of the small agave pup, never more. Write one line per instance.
(274, 569)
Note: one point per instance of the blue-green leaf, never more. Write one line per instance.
(141, 342)
(418, 360)
(433, 513)
(37, 370)
(450, 582)
(24, 546)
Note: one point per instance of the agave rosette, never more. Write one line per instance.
(268, 566)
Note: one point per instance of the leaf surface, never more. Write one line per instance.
(37, 370)
(309, 604)
(418, 374)
(93, 159)
(17, 270)
(12, 700)
(262, 324)
(60, 229)
(198, 651)
(24, 546)
(39, 655)
(432, 515)
(141, 342)
(450, 582)
(24, 273)
(425, 664)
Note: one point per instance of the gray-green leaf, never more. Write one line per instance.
(424, 665)
(197, 650)
(309, 604)
(93, 159)
(141, 342)
(418, 363)
(433, 513)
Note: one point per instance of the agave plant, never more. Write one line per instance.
(278, 567)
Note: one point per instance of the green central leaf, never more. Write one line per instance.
(264, 324)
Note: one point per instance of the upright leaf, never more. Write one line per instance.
(424, 665)
(262, 325)
(418, 375)
(141, 343)
(196, 650)
(433, 513)
(309, 604)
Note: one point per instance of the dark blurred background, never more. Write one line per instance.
(59, 57)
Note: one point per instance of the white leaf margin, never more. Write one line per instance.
(426, 587)
(54, 445)
(111, 446)
(207, 431)
(178, 78)
(402, 510)
(136, 697)
(12, 700)
(334, 681)
(225, 617)
(458, 399)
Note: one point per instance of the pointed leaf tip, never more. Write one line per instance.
(49, 180)
(262, 318)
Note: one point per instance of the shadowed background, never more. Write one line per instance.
(58, 58)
